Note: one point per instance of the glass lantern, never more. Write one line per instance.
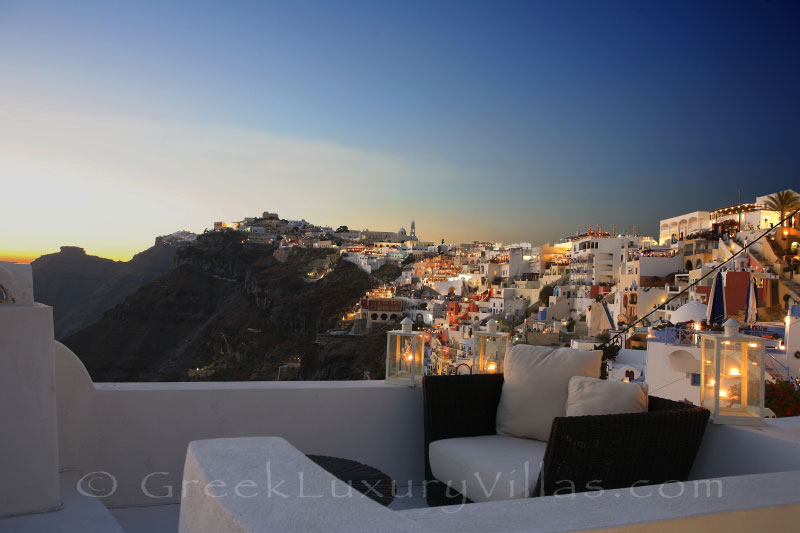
(491, 350)
(405, 350)
(733, 377)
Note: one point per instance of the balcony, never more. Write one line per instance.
(123, 450)
(672, 335)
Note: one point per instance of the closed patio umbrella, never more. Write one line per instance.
(716, 302)
(751, 311)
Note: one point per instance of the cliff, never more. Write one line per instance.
(81, 287)
(231, 311)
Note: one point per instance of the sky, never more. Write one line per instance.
(503, 121)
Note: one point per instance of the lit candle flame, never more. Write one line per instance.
(491, 367)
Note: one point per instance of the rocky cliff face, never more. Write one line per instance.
(231, 311)
(81, 287)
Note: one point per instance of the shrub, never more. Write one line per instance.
(782, 398)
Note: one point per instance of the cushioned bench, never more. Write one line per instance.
(466, 460)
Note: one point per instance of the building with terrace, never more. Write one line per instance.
(676, 228)
(596, 257)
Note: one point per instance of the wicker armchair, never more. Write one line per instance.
(608, 451)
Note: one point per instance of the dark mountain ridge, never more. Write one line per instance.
(80, 287)
(231, 311)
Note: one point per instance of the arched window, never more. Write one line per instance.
(374, 316)
(383, 316)
(699, 263)
(393, 317)
(689, 265)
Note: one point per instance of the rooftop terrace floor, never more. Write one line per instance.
(164, 518)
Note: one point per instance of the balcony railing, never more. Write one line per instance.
(675, 336)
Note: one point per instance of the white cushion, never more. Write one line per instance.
(489, 467)
(535, 387)
(589, 396)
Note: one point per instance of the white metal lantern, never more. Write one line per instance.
(733, 376)
(405, 351)
(491, 350)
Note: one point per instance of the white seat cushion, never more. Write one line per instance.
(589, 396)
(489, 467)
(535, 387)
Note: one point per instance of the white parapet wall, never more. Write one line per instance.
(28, 428)
(729, 450)
(264, 484)
(129, 440)
(669, 371)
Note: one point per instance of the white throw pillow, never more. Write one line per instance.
(588, 396)
(535, 387)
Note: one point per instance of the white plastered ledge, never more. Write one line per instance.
(265, 484)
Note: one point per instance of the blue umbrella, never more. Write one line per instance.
(751, 311)
(715, 313)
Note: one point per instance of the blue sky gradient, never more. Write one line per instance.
(483, 120)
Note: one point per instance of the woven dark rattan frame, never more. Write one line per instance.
(583, 453)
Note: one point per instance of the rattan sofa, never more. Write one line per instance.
(608, 451)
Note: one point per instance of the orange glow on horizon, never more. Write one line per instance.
(26, 257)
(18, 257)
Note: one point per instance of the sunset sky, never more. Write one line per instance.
(508, 121)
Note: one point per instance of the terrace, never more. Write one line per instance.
(117, 457)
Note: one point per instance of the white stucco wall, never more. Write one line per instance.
(664, 380)
(265, 484)
(229, 480)
(28, 433)
(130, 430)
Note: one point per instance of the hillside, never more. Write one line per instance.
(231, 311)
(81, 287)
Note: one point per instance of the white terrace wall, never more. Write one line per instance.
(28, 434)
(134, 430)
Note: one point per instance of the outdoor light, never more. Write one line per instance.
(733, 376)
(491, 350)
(405, 350)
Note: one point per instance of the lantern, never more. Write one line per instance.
(405, 350)
(732, 376)
(491, 350)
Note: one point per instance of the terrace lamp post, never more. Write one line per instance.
(405, 351)
(732, 376)
(491, 350)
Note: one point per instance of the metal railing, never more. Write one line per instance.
(771, 363)
(684, 337)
